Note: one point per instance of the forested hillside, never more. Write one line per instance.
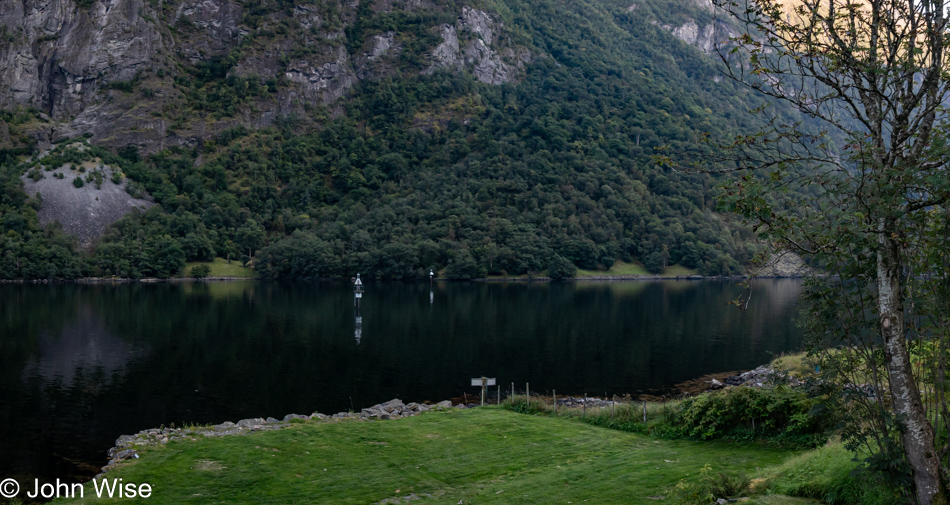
(322, 139)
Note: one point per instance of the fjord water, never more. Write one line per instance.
(82, 364)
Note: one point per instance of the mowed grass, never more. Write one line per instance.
(618, 268)
(483, 456)
(221, 268)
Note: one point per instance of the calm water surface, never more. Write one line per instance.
(80, 365)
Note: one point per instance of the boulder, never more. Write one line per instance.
(371, 412)
(391, 405)
(252, 423)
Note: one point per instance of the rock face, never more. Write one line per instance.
(468, 45)
(58, 56)
(703, 38)
(702, 34)
(86, 211)
(784, 264)
(323, 82)
(114, 68)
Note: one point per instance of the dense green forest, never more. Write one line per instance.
(418, 170)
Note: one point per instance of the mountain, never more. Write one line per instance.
(388, 137)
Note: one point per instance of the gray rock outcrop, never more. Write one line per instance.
(784, 264)
(468, 45)
(86, 211)
(58, 56)
(705, 34)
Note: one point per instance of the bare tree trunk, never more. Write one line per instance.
(918, 436)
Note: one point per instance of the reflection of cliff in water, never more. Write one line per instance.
(65, 369)
(83, 353)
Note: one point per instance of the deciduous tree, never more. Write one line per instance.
(873, 76)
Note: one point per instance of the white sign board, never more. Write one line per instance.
(488, 382)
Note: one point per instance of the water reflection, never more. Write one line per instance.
(84, 348)
(80, 365)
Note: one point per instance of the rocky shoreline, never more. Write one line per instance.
(765, 375)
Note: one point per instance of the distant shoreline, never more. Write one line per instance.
(150, 280)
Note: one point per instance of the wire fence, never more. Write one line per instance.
(614, 407)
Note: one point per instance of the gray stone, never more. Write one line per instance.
(271, 420)
(124, 455)
(288, 417)
(371, 412)
(253, 423)
(444, 404)
(391, 405)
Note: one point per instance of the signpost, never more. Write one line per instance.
(483, 382)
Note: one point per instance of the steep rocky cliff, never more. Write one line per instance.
(120, 70)
(705, 26)
(324, 137)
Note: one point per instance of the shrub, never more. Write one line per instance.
(561, 268)
(77, 182)
(782, 415)
(710, 487)
(782, 412)
(200, 271)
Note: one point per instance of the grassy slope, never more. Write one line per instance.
(478, 456)
(221, 268)
(621, 268)
(618, 268)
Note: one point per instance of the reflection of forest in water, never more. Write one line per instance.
(82, 364)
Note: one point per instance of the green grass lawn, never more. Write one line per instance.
(618, 268)
(624, 268)
(221, 268)
(479, 456)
